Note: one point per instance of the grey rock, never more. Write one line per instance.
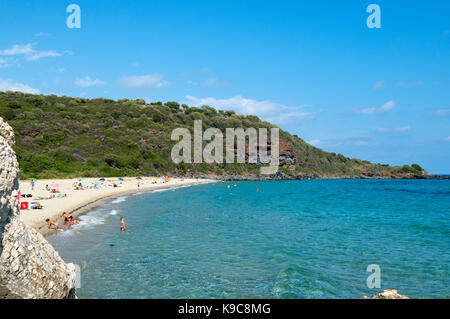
(387, 294)
(29, 266)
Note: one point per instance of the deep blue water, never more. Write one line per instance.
(290, 239)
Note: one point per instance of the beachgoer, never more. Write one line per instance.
(32, 185)
(122, 224)
(68, 219)
(54, 224)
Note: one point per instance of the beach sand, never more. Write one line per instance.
(78, 202)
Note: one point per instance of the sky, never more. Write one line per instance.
(314, 68)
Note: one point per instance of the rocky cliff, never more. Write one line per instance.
(29, 266)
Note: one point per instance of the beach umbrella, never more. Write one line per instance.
(54, 185)
(102, 179)
(138, 177)
(120, 179)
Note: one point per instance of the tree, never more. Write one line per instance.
(173, 105)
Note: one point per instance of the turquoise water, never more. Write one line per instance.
(290, 239)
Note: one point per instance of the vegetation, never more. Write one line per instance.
(76, 137)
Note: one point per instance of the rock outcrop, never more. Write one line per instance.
(387, 294)
(29, 266)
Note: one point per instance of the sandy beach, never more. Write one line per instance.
(69, 199)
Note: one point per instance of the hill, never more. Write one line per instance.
(64, 137)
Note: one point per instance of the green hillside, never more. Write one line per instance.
(75, 137)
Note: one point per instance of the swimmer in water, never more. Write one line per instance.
(122, 225)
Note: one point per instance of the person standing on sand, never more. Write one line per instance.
(122, 225)
(139, 185)
(32, 185)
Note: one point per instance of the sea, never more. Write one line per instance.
(272, 239)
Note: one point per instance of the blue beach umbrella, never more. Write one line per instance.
(120, 179)
(102, 179)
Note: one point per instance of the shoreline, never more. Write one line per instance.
(78, 204)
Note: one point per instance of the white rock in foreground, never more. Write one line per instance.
(387, 294)
(29, 266)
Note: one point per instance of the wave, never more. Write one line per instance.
(119, 200)
(164, 189)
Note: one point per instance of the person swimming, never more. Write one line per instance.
(122, 224)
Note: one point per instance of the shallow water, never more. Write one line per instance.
(290, 239)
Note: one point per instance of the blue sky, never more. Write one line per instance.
(312, 67)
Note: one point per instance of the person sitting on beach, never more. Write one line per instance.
(68, 219)
(122, 225)
(47, 188)
(54, 224)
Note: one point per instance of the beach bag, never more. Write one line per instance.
(24, 205)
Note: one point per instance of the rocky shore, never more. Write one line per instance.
(387, 294)
(282, 176)
(29, 266)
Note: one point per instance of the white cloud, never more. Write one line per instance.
(9, 85)
(4, 63)
(378, 85)
(215, 82)
(42, 54)
(361, 143)
(149, 81)
(41, 34)
(269, 111)
(382, 109)
(386, 107)
(394, 129)
(314, 142)
(196, 73)
(410, 84)
(28, 51)
(87, 81)
(441, 112)
(353, 141)
(17, 49)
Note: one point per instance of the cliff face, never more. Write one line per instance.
(29, 266)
